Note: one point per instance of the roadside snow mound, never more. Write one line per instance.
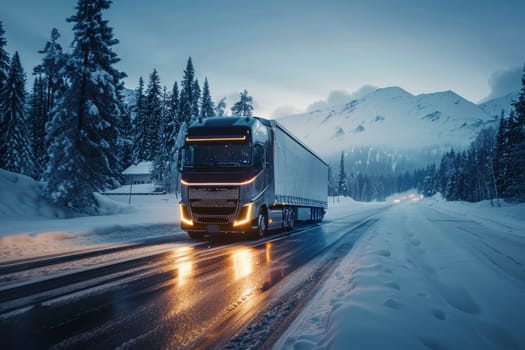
(21, 197)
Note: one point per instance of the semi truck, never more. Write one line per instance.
(249, 175)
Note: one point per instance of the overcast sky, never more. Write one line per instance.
(289, 54)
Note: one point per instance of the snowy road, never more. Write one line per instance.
(414, 275)
(170, 293)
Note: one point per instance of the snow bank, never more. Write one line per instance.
(20, 196)
(31, 226)
(430, 274)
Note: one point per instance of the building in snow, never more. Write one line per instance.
(138, 174)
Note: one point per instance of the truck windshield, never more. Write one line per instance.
(217, 155)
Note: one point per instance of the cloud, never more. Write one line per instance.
(339, 97)
(504, 82)
(283, 111)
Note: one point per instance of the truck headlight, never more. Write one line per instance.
(245, 215)
(185, 216)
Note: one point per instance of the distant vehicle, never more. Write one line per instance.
(248, 174)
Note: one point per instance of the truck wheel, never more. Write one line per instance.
(262, 225)
(195, 234)
(291, 220)
(286, 218)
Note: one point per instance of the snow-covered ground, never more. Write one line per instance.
(429, 275)
(31, 226)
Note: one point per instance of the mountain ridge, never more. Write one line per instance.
(393, 117)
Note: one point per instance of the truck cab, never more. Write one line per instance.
(224, 174)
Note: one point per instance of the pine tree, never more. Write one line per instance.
(244, 107)
(84, 129)
(15, 134)
(380, 188)
(195, 112)
(51, 85)
(4, 70)
(207, 108)
(187, 94)
(342, 186)
(516, 171)
(221, 106)
(164, 165)
(126, 129)
(153, 116)
(162, 159)
(174, 104)
(4, 58)
(519, 105)
(38, 120)
(139, 125)
(429, 183)
(49, 70)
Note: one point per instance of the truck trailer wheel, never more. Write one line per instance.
(290, 219)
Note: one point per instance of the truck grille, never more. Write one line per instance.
(213, 205)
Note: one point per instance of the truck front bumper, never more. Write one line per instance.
(243, 223)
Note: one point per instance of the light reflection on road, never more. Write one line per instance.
(243, 261)
(183, 264)
(268, 247)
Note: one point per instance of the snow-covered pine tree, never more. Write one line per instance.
(126, 135)
(162, 159)
(15, 134)
(49, 70)
(4, 57)
(174, 105)
(38, 119)
(195, 112)
(367, 190)
(53, 85)
(139, 125)
(342, 186)
(152, 115)
(4, 69)
(207, 108)
(221, 106)
(173, 125)
(429, 182)
(517, 147)
(187, 94)
(244, 107)
(502, 157)
(380, 189)
(84, 129)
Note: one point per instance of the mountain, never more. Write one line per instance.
(129, 96)
(393, 118)
(495, 106)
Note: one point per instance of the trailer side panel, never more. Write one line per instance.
(301, 177)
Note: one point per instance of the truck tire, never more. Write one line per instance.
(290, 221)
(195, 234)
(262, 225)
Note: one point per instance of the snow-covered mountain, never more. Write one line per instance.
(129, 96)
(504, 103)
(395, 119)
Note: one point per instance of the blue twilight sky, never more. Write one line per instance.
(289, 54)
